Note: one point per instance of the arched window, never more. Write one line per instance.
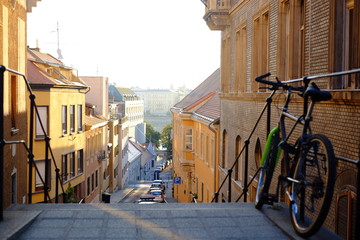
(238, 166)
(346, 214)
(258, 153)
(224, 150)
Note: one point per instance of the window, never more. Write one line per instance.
(240, 60)
(258, 153)
(224, 150)
(79, 114)
(64, 120)
(14, 101)
(92, 182)
(346, 214)
(188, 139)
(202, 143)
(260, 48)
(40, 164)
(96, 178)
(80, 163)
(88, 185)
(225, 65)
(64, 167)
(344, 43)
(207, 149)
(292, 39)
(72, 118)
(43, 118)
(238, 165)
(212, 153)
(72, 164)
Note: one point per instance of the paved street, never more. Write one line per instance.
(157, 221)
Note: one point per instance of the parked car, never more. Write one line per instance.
(161, 182)
(158, 169)
(147, 199)
(159, 195)
(157, 185)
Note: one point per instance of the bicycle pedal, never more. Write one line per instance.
(270, 199)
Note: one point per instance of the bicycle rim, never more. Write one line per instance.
(311, 200)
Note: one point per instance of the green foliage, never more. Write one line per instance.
(70, 194)
(152, 134)
(166, 140)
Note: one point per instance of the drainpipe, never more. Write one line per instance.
(215, 121)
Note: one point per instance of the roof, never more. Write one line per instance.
(45, 70)
(124, 91)
(36, 55)
(94, 122)
(204, 99)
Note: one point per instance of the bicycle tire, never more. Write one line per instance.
(310, 203)
(266, 172)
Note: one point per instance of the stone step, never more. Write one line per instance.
(156, 221)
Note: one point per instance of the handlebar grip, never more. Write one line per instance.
(261, 80)
(262, 76)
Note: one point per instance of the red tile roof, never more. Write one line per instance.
(204, 99)
(38, 76)
(209, 85)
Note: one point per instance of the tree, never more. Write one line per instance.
(166, 140)
(152, 134)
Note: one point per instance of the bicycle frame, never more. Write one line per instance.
(284, 146)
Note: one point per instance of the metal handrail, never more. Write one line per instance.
(29, 149)
(247, 142)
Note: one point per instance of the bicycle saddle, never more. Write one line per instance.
(316, 94)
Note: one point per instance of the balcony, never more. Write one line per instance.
(101, 155)
(217, 13)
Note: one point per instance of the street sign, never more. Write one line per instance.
(177, 180)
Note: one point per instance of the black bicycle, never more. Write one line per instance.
(309, 165)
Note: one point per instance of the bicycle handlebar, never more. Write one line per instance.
(276, 85)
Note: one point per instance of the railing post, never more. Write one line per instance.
(31, 147)
(216, 197)
(247, 142)
(46, 187)
(229, 174)
(57, 170)
(2, 70)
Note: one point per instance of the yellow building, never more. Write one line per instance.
(96, 156)
(13, 187)
(196, 142)
(60, 100)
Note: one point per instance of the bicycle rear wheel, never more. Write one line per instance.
(311, 195)
(266, 172)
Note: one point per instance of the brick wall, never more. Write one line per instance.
(338, 119)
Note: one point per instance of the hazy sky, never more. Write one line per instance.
(150, 44)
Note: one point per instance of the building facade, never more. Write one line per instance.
(290, 39)
(60, 100)
(96, 158)
(196, 142)
(132, 108)
(13, 56)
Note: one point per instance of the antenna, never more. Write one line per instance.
(58, 42)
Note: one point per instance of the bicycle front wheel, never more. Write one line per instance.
(312, 192)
